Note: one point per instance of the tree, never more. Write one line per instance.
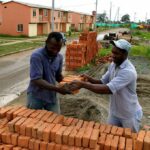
(125, 18)
(102, 17)
(148, 21)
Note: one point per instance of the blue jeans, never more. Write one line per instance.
(34, 103)
(133, 123)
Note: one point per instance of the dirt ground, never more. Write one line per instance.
(90, 106)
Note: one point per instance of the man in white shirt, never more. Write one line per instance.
(120, 82)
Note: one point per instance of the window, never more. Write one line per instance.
(45, 12)
(20, 27)
(34, 12)
(59, 14)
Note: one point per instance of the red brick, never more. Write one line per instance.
(29, 127)
(4, 136)
(74, 122)
(35, 128)
(23, 141)
(101, 140)
(91, 124)
(51, 146)
(121, 145)
(79, 136)
(127, 133)
(12, 123)
(147, 141)
(42, 113)
(17, 148)
(129, 144)
(79, 124)
(108, 142)
(9, 114)
(14, 139)
(23, 112)
(114, 130)
(31, 144)
(71, 140)
(22, 128)
(102, 128)
(120, 131)
(4, 110)
(51, 118)
(97, 125)
(43, 145)
(47, 115)
(66, 134)
(18, 123)
(1, 132)
(140, 140)
(114, 143)
(94, 138)
(59, 135)
(46, 132)
(59, 119)
(108, 129)
(58, 147)
(35, 114)
(40, 131)
(8, 138)
(29, 112)
(65, 147)
(68, 121)
(8, 147)
(36, 145)
(18, 111)
(85, 124)
(86, 137)
(53, 132)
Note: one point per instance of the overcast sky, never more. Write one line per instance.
(137, 9)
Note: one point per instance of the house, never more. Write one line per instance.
(19, 18)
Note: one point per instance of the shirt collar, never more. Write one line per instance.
(123, 65)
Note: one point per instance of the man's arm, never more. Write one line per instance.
(46, 85)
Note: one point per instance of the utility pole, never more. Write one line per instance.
(52, 16)
(96, 14)
(110, 10)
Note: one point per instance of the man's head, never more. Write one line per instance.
(120, 50)
(54, 43)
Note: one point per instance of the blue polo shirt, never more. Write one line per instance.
(44, 67)
(122, 83)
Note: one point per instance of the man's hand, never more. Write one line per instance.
(75, 85)
(86, 77)
(63, 90)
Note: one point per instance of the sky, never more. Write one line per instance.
(137, 9)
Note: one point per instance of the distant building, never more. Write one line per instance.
(19, 18)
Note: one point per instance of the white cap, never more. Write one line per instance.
(122, 44)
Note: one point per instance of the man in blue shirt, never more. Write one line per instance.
(120, 82)
(45, 69)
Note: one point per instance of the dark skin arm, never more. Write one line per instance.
(96, 88)
(90, 79)
(44, 84)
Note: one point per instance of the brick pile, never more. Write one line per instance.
(81, 53)
(26, 129)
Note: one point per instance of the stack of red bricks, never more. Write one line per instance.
(26, 129)
(80, 53)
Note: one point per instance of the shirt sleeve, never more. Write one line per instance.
(105, 78)
(36, 67)
(121, 80)
(59, 71)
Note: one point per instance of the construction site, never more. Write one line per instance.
(83, 120)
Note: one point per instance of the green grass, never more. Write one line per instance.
(6, 49)
(145, 35)
(84, 68)
(104, 52)
(140, 50)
